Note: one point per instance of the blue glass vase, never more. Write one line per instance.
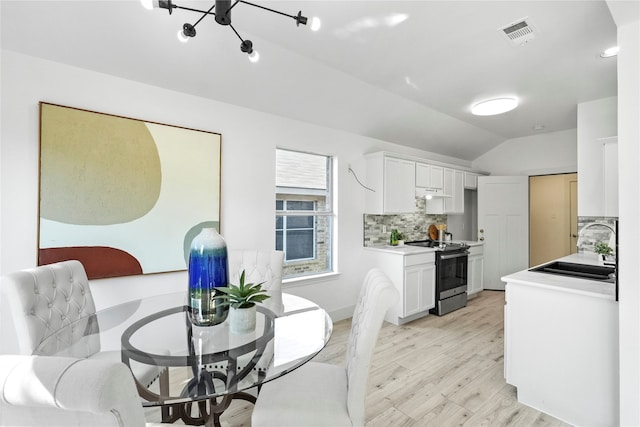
(208, 270)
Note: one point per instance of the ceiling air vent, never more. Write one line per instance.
(518, 32)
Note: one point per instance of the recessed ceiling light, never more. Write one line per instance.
(395, 19)
(495, 106)
(612, 51)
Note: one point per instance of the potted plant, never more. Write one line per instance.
(603, 249)
(397, 238)
(242, 299)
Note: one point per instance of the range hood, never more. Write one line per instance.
(430, 193)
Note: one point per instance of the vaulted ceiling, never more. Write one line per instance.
(400, 71)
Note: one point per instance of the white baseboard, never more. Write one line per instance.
(342, 313)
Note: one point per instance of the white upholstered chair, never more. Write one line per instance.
(260, 266)
(319, 394)
(64, 391)
(45, 299)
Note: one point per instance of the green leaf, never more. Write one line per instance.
(244, 294)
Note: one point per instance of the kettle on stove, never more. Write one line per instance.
(444, 236)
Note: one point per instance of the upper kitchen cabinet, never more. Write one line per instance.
(429, 176)
(471, 180)
(455, 203)
(394, 182)
(610, 175)
(598, 158)
(453, 190)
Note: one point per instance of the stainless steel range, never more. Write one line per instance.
(451, 274)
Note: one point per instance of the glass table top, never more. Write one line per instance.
(201, 362)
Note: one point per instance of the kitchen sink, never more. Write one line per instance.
(582, 271)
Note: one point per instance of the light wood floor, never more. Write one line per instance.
(435, 371)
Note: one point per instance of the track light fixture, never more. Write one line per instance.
(221, 11)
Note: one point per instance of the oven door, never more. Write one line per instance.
(452, 274)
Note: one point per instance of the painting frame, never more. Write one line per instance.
(123, 196)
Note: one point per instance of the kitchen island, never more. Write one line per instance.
(561, 344)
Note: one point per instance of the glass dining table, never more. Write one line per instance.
(196, 371)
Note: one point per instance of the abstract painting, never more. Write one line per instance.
(121, 195)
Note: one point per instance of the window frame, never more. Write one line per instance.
(284, 213)
(325, 250)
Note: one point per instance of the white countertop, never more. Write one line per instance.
(408, 249)
(402, 250)
(575, 285)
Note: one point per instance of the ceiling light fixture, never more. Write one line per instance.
(612, 51)
(222, 16)
(495, 106)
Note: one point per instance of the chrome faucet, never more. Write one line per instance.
(590, 225)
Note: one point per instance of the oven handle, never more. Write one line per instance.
(450, 256)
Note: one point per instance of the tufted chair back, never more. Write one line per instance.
(376, 296)
(46, 298)
(65, 391)
(324, 394)
(259, 267)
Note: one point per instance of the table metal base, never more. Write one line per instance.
(209, 410)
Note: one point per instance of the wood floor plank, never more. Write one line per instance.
(434, 371)
(392, 417)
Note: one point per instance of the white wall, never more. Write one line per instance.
(249, 139)
(547, 153)
(627, 17)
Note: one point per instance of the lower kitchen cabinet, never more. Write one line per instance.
(561, 347)
(475, 269)
(414, 276)
(419, 289)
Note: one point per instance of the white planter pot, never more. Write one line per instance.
(242, 320)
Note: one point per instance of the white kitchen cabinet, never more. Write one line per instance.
(470, 180)
(454, 187)
(475, 270)
(561, 347)
(429, 176)
(453, 190)
(600, 197)
(393, 180)
(413, 275)
(419, 288)
(439, 205)
(610, 176)
(597, 158)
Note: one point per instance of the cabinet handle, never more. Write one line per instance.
(482, 239)
(574, 235)
(482, 230)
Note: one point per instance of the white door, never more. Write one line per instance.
(503, 225)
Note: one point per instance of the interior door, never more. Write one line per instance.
(552, 217)
(503, 225)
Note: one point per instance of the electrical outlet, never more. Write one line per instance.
(384, 228)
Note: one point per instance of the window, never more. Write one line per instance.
(304, 212)
(296, 233)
